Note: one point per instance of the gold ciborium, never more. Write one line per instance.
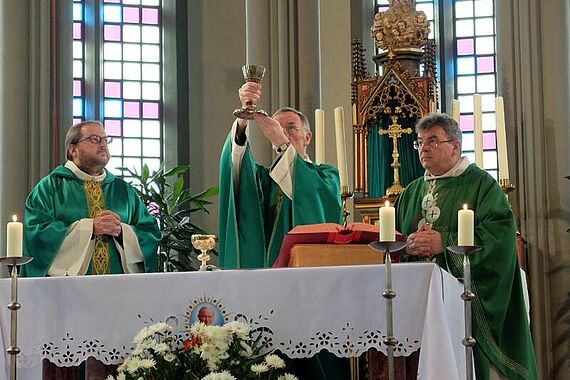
(251, 73)
(204, 243)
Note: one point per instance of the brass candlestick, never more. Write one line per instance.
(204, 243)
(345, 195)
(506, 185)
(467, 296)
(13, 263)
(251, 73)
(389, 294)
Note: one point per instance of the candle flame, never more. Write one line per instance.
(387, 204)
(14, 218)
(465, 206)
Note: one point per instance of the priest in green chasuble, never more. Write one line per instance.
(258, 204)
(427, 213)
(81, 219)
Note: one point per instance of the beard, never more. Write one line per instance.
(93, 163)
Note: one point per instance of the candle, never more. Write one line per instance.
(319, 136)
(455, 110)
(14, 235)
(501, 138)
(478, 121)
(465, 227)
(340, 146)
(387, 223)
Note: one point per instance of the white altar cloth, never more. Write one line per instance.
(339, 309)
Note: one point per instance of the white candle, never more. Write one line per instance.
(387, 223)
(478, 129)
(14, 234)
(455, 110)
(501, 138)
(319, 136)
(340, 146)
(465, 227)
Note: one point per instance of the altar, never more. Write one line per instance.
(304, 310)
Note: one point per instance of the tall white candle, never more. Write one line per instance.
(387, 223)
(478, 129)
(340, 145)
(319, 136)
(501, 138)
(465, 227)
(455, 110)
(14, 235)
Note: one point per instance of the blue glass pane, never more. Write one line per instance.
(465, 65)
(77, 107)
(77, 12)
(113, 108)
(112, 13)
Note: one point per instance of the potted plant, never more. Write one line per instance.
(171, 201)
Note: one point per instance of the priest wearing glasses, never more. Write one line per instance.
(81, 219)
(427, 213)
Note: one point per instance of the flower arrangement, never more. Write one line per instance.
(228, 352)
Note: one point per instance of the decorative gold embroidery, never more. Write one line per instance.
(96, 204)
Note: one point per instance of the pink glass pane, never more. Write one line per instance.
(77, 31)
(150, 16)
(112, 89)
(113, 127)
(131, 15)
(150, 110)
(76, 120)
(132, 109)
(112, 32)
(466, 122)
(465, 46)
(489, 141)
(77, 88)
(485, 64)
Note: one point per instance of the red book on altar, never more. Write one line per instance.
(330, 239)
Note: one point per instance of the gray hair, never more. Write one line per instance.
(74, 134)
(442, 120)
(296, 112)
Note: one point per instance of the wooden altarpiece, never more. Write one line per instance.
(386, 106)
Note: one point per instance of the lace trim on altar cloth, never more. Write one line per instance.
(344, 342)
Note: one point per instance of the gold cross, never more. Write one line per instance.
(394, 132)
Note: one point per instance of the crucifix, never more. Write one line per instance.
(394, 132)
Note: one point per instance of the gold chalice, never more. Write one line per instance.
(203, 243)
(251, 73)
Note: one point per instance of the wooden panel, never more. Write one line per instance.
(315, 255)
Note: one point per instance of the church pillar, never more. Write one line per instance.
(533, 64)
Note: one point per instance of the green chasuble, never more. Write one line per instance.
(255, 218)
(500, 324)
(59, 200)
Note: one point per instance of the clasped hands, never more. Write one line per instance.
(251, 92)
(424, 242)
(107, 223)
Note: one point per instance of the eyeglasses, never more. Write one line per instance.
(96, 140)
(292, 129)
(432, 143)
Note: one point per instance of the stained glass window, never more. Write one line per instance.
(124, 69)
(474, 65)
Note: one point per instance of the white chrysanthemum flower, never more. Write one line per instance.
(147, 363)
(110, 377)
(121, 376)
(274, 361)
(170, 357)
(287, 376)
(198, 329)
(259, 368)
(225, 375)
(240, 329)
(162, 348)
